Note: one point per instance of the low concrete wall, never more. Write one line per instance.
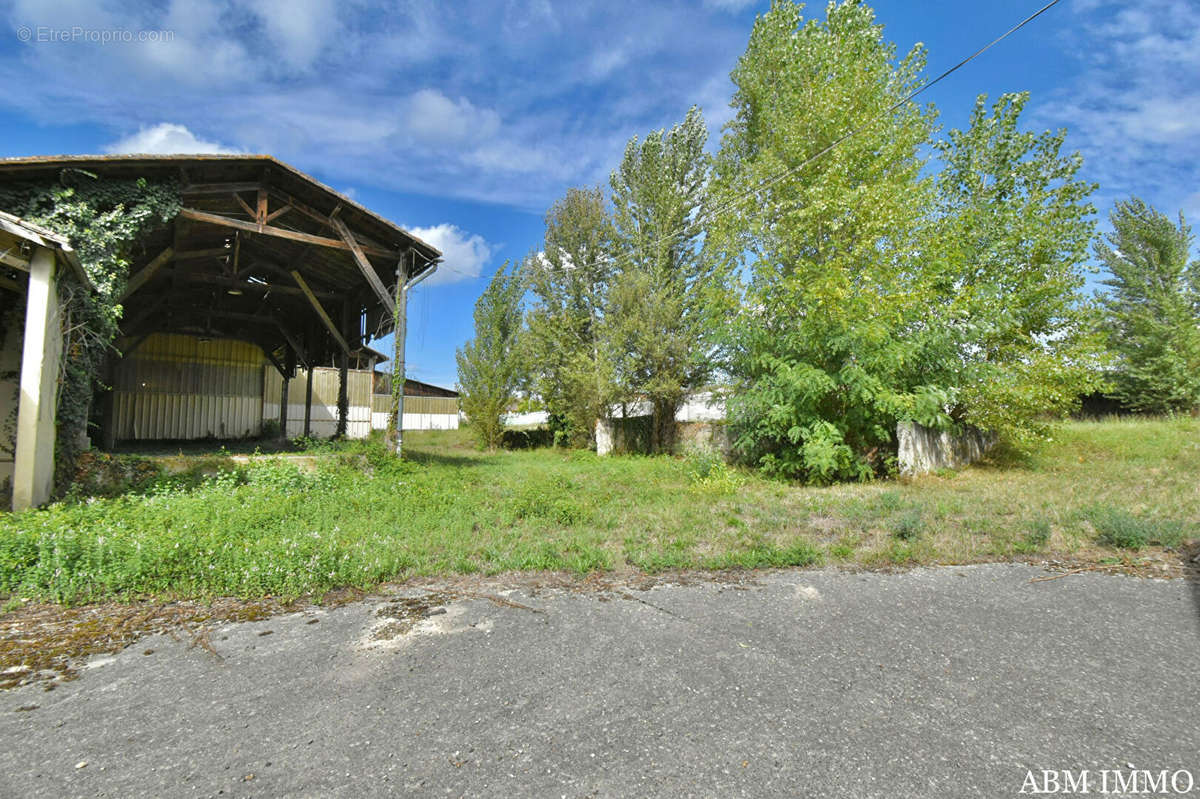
(631, 436)
(923, 450)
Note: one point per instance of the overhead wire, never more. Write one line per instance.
(772, 180)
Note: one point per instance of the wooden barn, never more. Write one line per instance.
(262, 265)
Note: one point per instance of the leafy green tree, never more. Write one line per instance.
(570, 280)
(1007, 324)
(828, 239)
(659, 331)
(491, 365)
(1152, 308)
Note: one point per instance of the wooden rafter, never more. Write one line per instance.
(148, 271)
(364, 265)
(316, 304)
(270, 230)
(214, 252)
(245, 205)
(219, 188)
(128, 326)
(293, 340)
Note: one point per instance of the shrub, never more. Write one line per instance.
(909, 526)
(1120, 529)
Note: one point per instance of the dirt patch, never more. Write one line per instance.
(406, 612)
(43, 643)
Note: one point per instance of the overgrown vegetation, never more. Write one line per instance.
(816, 267)
(660, 332)
(103, 219)
(1152, 309)
(1109, 492)
(876, 294)
(490, 367)
(569, 279)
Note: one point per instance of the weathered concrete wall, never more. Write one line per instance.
(705, 435)
(631, 436)
(922, 449)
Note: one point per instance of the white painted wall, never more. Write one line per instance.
(419, 421)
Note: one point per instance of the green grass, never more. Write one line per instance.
(275, 528)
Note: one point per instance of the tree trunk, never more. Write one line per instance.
(663, 426)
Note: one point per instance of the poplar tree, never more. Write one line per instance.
(827, 238)
(570, 281)
(659, 332)
(491, 365)
(1152, 308)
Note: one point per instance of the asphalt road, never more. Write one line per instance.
(937, 682)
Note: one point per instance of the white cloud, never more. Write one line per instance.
(166, 138)
(1131, 110)
(732, 6)
(298, 29)
(506, 103)
(463, 254)
(434, 117)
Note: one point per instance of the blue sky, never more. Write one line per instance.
(464, 120)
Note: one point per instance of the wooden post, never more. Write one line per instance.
(398, 366)
(108, 432)
(33, 462)
(308, 400)
(289, 364)
(343, 370)
(283, 408)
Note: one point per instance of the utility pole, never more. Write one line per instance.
(404, 284)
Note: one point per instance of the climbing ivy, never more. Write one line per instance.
(105, 220)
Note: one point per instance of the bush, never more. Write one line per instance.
(1120, 529)
(527, 439)
(706, 468)
(909, 526)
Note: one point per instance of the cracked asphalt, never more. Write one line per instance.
(934, 682)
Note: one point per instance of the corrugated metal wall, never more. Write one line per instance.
(324, 401)
(180, 387)
(420, 413)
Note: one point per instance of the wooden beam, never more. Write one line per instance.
(219, 188)
(137, 342)
(317, 216)
(269, 230)
(278, 212)
(12, 285)
(364, 265)
(260, 214)
(316, 304)
(146, 272)
(8, 259)
(275, 362)
(294, 342)
(131, 324)
(245, 206)
(214, 252)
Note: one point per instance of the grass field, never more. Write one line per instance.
(1102, 491)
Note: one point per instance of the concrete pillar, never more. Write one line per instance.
(33, 470)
